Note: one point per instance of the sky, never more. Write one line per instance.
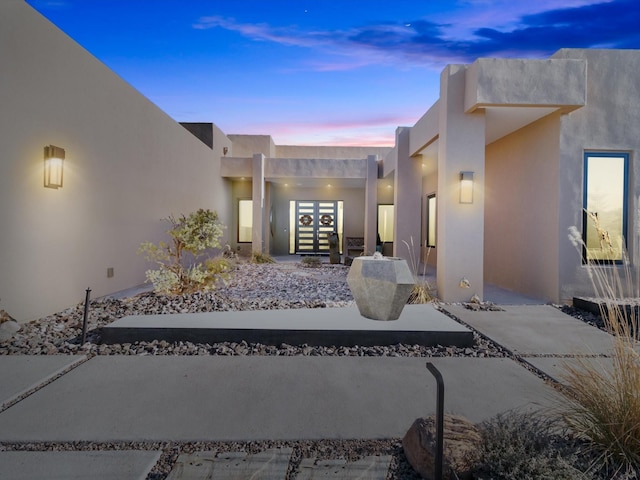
(322, 72)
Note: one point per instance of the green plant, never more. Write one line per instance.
(259, 257)
(421, 292)
(191, 237)
(603, 402)
(219, 268)
(517, 446)
(311, 262)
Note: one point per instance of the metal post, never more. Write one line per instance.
(86, 314)
(439, 421)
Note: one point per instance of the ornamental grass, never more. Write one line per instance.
(602, 399)
(422, 291)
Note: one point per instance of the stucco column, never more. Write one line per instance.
(371, 205)
(460, 227)
(258, 203)
(407, 191)
(267, 217)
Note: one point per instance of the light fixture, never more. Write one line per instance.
(53, 166)
(466, 187)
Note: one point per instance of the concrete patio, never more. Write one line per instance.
(211, 398)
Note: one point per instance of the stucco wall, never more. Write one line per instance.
(210, 135)
(521, 210)
(247, 145)
(355, 168)
(425, 130)
(128, 165)
(502, 81)
(609, 122)
(353, 198)
(304, 151)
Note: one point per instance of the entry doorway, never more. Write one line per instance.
(311, 222)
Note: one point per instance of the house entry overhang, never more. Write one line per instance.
(511, 94)
(479, 104)
(308, 172)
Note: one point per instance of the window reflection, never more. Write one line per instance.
(605, 206)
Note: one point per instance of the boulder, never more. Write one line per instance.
(461, 439)
(8, 326)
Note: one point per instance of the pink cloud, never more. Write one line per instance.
(377, 131)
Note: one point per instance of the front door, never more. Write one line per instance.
(315, 221)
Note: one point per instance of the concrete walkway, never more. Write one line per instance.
(165, 398)
(542, 336)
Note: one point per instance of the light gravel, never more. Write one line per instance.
(252, 287)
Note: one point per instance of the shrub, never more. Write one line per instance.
(191, 237)
(421, 292)
(311, 262)
(518, 446)
(219, 268)
(603, 403)
(259, 257)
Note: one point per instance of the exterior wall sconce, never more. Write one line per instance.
(466, 187)
(53, 166)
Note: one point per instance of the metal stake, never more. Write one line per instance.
(439, 421)
(86, 314)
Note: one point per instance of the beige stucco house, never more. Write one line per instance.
(488, 181)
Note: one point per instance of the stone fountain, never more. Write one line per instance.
(380, 286)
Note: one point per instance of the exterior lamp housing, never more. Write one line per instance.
(466, 187)
(53, 166)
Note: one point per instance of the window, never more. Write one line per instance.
(245, 221)
(605, 206)
(385, 223)
(431, 220)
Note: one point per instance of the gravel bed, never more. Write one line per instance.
(252, 287)
(593, 319)
(350, 450)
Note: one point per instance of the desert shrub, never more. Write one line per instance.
(219, 268)
(421, 292)
(191, 237)
(229, 254)
(602, 402)
(259, 257)
(517, 446)
(311, 262)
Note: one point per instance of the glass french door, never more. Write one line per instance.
(312, 222)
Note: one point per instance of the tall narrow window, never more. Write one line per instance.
(605, 206)
(431, 220)
(385, 223)
(245, 221)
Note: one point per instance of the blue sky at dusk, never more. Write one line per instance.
(322, 72)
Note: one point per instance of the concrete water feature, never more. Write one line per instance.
(418, 324)
(380, 286)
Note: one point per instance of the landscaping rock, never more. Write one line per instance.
(5, 317)
(461, 438)
(8, 326)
